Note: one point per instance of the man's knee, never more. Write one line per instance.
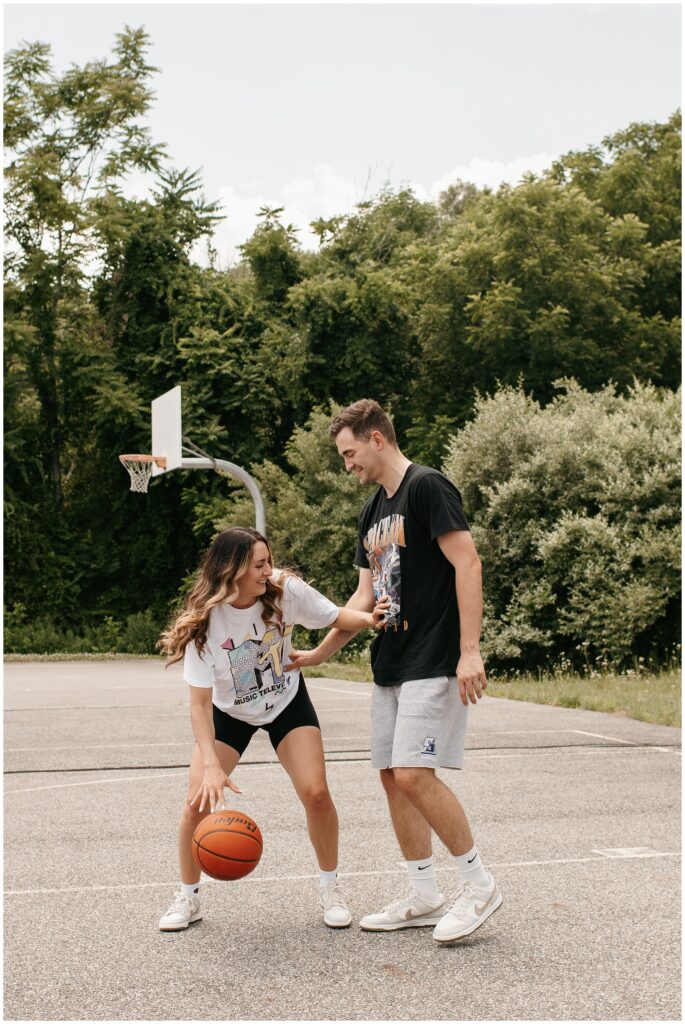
(407, 780)
(412, 780)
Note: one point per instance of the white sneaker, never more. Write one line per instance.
(471, 908)
(407, 912)
(182, 912)
(335, 911)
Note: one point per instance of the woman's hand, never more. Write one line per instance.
(211, 791)
(379, 612)
(303, 659)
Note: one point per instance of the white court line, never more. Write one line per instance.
(136, 746)
(343, 874)
(473, 755)
(100, 746)
(335, 739)
(599, 736)
(96, 782)
(333, 689)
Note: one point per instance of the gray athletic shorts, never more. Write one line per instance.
(418, 724)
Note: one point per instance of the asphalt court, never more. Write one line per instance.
(577, 812)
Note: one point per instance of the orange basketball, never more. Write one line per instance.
(227, 845)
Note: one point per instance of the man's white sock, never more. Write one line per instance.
(423, 880)
(190, 891)
(471, 868)
(327, 876)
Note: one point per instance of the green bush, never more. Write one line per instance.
(575, 509)
(139, 634)
(136, 635)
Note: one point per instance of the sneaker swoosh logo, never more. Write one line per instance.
(479, 910)
(410, 914)
(425, 867)
(472, 859)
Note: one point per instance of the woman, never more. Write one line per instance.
(234, 635)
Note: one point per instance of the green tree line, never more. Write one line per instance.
(434, 308)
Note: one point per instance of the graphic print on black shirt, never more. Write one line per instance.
(398, 543)
(382, 544)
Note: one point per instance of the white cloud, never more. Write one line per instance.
(493, 172)
(323, 194)
(327, 194)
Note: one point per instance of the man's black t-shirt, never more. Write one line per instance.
(397, 542)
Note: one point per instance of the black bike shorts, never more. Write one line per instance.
(237, 734)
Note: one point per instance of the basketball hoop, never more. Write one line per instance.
(140, 469)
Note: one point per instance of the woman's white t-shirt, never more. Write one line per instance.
(243, 658)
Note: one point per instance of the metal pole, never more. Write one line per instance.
(239, 474)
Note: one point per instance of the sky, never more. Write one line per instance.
(317, 106)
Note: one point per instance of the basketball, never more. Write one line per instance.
(227, 845)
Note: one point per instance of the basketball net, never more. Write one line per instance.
(140, 470)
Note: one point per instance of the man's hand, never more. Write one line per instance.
(303, 659)
(471, 678)
(380, 611)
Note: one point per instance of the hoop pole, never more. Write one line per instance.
(239, 474)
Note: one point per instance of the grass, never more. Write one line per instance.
(108, 656)
(649, 697)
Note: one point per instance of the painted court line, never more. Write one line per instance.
(333, 689)
(603, 858)
(93, 782)
(600, 736)
(567, 751)
(99, 746)
(135, 746)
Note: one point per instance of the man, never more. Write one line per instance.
(415, 547)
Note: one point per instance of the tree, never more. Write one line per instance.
(74, 394)
(71, 139)
(273, 257)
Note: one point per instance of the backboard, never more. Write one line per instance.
(166, 430)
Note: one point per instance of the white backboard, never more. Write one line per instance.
(166, 430)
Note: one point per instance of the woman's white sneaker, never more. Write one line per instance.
(182, 912)
(407, 912)
(335, 911)
(471, 908)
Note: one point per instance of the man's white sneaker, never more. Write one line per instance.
(408, 912)
(471, 908)
(182, 912)
(335, 911)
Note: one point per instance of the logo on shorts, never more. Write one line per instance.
(428, 747)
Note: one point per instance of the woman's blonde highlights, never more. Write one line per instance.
(225, 563)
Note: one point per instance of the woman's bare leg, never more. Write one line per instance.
(301, 754)
(190, 816)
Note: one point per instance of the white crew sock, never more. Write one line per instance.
(422, 879)
(191, 891)
(327, 876)
(471, 868)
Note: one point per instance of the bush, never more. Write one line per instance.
(136, 635)
(575, 509)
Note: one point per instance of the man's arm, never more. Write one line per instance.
(458, 548)
(363, 601)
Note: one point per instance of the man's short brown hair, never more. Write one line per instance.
(363, 417)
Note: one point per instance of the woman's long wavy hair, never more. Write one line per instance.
(226, 561)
